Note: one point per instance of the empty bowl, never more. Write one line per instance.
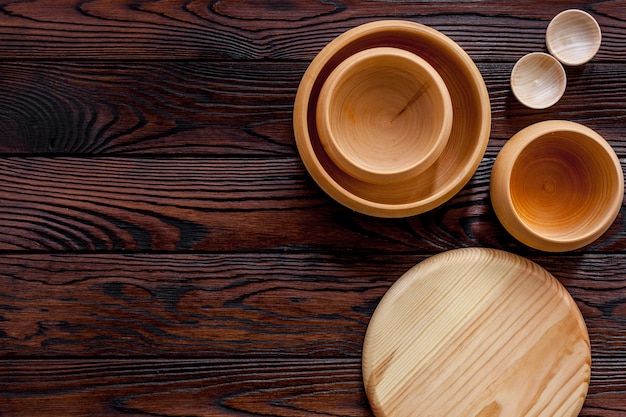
(557, 186)
(573, 37)
(538, 80)
(466, 144)
(384, 114)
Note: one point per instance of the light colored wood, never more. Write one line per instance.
(557, 185)
(538, 80)
(474, 333)
(468, 138)
(384, 115)
(573, 37)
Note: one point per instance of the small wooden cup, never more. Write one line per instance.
(557, 186)
(384, 115)
(538, 80)
(573, 37)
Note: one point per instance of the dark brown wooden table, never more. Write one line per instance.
(164, 251)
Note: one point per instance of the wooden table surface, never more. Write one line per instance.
(163, 250)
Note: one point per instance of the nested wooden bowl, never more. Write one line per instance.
(538, 80)
(466, 143)
(557, 186)
(384, 115)
(573, 37)
(476, 332)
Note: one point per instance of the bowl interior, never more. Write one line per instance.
(538, 80)
(466, 144)
(384, 114)
(573, 37)
(562, 185)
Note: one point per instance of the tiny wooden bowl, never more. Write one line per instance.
(557, 186)
(573, 37)
(384, 115)
(466, 144)
(538, 80)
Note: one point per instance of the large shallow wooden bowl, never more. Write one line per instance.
(476, 332)
(557, 185)
(384, 114)
(466, 144)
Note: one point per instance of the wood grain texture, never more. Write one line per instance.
(266, 387)
(147, 108)
(221, 205)
(234, 305)
(521, 184)
(476, 332)
(163, 250)
(201, 387)
(230, 29)
(232, 108)
(572, 23)
(207, 305)
(538, 80)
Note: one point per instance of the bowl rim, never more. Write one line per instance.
(412, 31)
(502, 178)
(441, 132)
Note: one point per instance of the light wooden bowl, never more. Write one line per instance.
(573, 37)
(384, 115)
(538, 80)
(466, 144)
(476, 332)
(557, 186)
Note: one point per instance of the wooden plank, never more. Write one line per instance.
(206, 305)
(243, 305)
(78, 29)
(148, 108)
(231, 108)
(183, 204)
(265, 387)
(195, 387)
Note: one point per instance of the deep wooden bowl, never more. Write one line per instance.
(538, 80)
(557, 186)
(384, 115)
(573, 37)
(468, 138)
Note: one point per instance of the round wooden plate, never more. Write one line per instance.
(477, 332)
